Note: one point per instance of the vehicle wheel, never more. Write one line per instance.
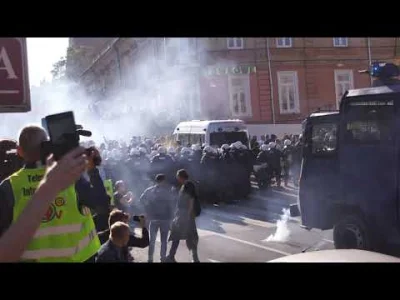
(351, 232)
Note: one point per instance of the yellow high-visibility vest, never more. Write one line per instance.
(65, 234)
(109, 189)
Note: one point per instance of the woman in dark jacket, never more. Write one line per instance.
(184, 224)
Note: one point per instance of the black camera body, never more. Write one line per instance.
(64, 135)
(10, 161)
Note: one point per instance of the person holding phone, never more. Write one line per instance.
(67, 232)
(58, 176)
(134, 241)
(113, 250)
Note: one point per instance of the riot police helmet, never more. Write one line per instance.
(196, 147)
(185, 151)
(171, 150)
(208, 149)
(143, 150)
(134, 151)
(272, 145)
(162, 150)
(264, 147)
(225, 147)
(287, 142)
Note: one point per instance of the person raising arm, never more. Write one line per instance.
(59, 175)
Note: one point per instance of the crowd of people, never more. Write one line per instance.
(221, 174)
(144, 182)
(69, 214)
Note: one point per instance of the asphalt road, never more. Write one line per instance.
(238, 232)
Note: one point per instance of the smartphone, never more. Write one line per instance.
(62, 132)
(137, 218)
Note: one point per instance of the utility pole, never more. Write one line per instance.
(369, 56)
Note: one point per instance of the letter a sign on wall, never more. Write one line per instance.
(14, 82)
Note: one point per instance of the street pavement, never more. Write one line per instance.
(238, 232)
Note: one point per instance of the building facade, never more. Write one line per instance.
(271, 83)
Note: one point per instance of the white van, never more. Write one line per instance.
(214, 133)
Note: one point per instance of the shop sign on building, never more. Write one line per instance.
(229, 70)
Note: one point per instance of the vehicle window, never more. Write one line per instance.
(197, 139)
(184, 138)
(220, 138)
(369, 124)
(324, 138)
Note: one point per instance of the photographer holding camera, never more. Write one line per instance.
(67, 232)
(59, 175)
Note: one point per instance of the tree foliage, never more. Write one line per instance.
(58, 70)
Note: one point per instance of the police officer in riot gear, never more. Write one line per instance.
(287, 160)
(197, 153)
(297, 156)
(184, 159)
(262, 173)
(163, 163)
(224, 173)
(246, 160)
(236, 169)
(172, 153)
(138, 166)
(196, 156)
(209, 167)
(274, 161)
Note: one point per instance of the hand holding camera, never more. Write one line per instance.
(67, 170)
(141, 220)
(64, 135)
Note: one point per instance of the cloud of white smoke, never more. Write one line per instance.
(282, 232)
(150, 98)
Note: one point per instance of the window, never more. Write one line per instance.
(235, 43)
(288, 92)
(343, 83)
(324, 138)
(219, 138)
(197, 139)
(184, 139)
(284, 42)
(190, 102)
(369, 122)
(340, 42)
(239, 92)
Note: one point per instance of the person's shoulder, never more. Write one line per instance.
(5, 184)
(189, 185)
(150, 189)
(105, 248)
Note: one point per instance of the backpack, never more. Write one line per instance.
(197, 207)
(197, 204)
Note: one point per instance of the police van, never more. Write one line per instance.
(350, 171)
(214, 133)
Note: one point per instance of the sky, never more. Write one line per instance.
(42, 54)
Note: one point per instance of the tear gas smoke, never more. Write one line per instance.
(150, 98)
(282, 232)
